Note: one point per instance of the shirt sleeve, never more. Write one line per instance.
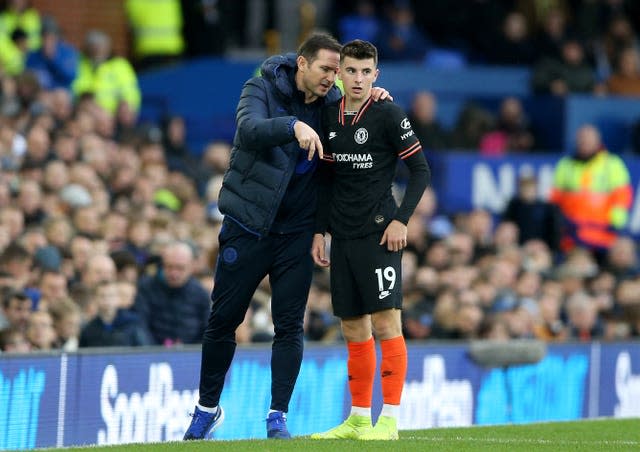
(407, 146)
(404, 140)
(419, 179)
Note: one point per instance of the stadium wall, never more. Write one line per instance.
(124, 396)
(77, 17)
(206, 91)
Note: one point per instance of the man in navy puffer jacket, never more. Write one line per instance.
(268, 198)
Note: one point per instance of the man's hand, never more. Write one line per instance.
(380, 94)
(308, 139)
(318, 251)
(395, 236)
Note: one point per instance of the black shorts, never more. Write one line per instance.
(365, 276)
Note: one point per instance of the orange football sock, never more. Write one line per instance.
(361, 367)
(393, 369)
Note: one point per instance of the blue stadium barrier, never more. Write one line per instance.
(469, 81)
(144, 395)
(464, 181)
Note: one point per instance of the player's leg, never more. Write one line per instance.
(361, 363)
(242, 264)
(393, 370)
(290, 278)
(380, 281)
(356, 329)
(361, 368)
(356, 324)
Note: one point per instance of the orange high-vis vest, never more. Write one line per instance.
(595, 195)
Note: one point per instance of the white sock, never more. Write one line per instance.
(361, 411)
(277, 411)
(390, 410)
(207, 409)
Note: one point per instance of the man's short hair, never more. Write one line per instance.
(360, 50)
(9, 294)
(316, 42)
(15, 252)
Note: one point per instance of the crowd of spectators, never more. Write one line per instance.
(108, 228)
(570, 47)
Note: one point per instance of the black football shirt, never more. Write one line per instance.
(361, 151)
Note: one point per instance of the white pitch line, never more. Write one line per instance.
(62, 400)
(525, 441)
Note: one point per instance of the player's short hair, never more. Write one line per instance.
(360, 50)
(316, 42)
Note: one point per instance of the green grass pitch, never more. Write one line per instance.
(587, 435)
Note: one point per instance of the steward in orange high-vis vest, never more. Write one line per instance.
(593, 191)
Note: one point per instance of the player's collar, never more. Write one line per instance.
(356, 118)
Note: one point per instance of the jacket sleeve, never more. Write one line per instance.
(129, 91)
(621, 193)
(556, 195)
(64, 65)
(255, 126)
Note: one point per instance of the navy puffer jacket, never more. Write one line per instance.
(265, 151)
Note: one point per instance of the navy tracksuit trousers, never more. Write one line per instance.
(243, 262)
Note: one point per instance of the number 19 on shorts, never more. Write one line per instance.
(386, 281)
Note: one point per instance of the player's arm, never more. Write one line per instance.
(325, 185)
(395, 235)
(408, 148)
(318, 248)
(325, 182)
(419, 179)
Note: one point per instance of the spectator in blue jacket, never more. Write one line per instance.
(55, 63)
(268, 198)
(172, 304)
(113, 326)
